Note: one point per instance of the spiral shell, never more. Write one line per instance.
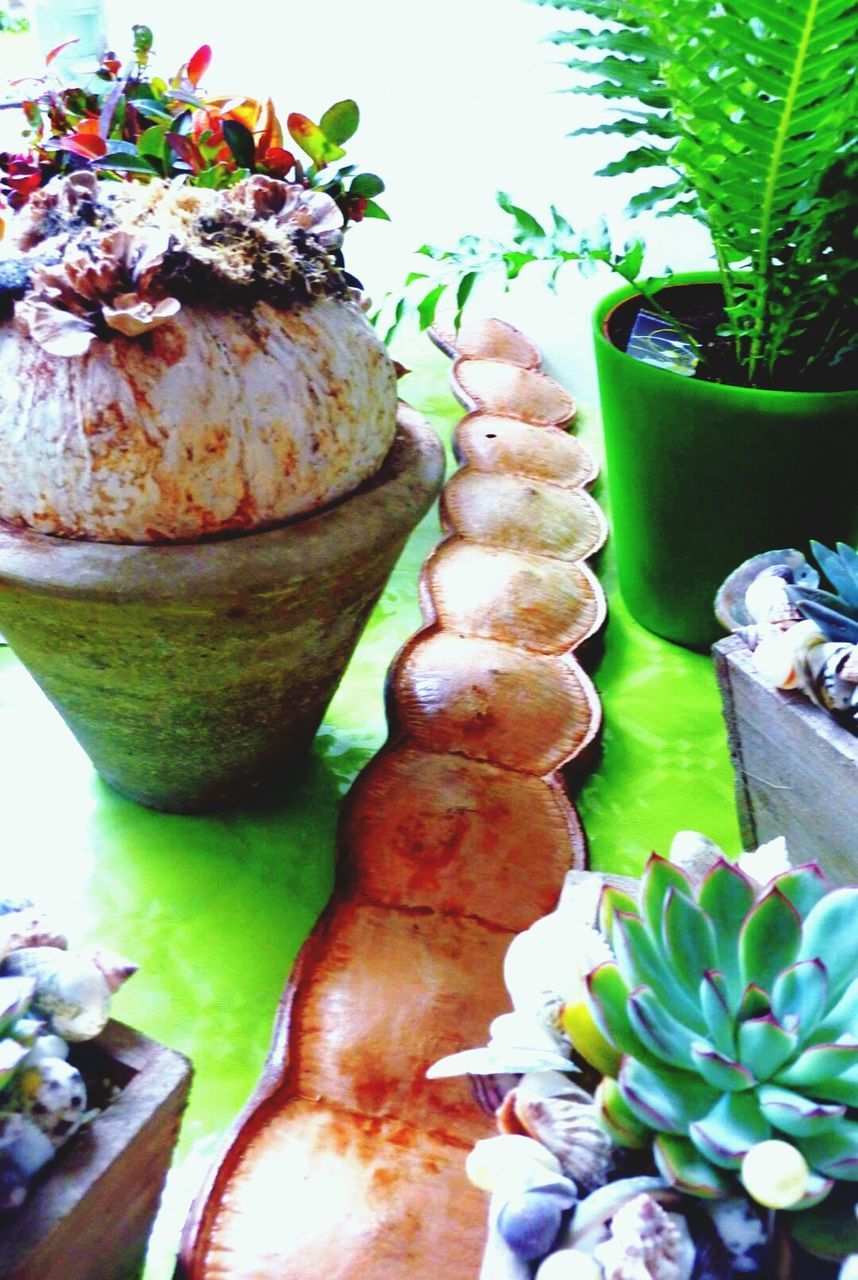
(52, 1093)
(569, 1129)
(646, 1243)
(70, 990)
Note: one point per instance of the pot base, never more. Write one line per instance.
(194, 674)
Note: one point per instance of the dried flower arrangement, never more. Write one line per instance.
(49, 997)
(715, 1012)
(802, 637)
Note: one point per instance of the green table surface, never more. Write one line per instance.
(214, 909)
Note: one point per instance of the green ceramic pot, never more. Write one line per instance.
(701, 476)
(194, 673)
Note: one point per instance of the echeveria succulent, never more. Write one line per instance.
(834, 612)
(735, 1009)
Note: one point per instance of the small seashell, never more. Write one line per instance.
(590, 1224)
(694, 853)
(530, 1220)
(47, 1046)
(24, 1142)
(27, 1030)
(767, 861)
(29, 928)
(767, 599)
(646, 1243)
(509, 1159)
(570, 1130)
(52, 1093)
(70, 990)
(820, 678)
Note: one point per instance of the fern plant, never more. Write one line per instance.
(752, 104)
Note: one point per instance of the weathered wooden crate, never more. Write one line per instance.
(89, 1215)
(796, 768)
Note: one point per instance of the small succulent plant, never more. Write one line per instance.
(735, 1009)
(834, 612)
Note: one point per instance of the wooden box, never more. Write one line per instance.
(796, 768)
(90, 1211)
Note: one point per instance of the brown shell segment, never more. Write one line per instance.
(503, 388)
(426, 826)
(532, 601)
(487, 339)
(523, 514)
(490, 701)
(493, 442)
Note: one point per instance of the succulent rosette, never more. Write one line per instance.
(735, 1010)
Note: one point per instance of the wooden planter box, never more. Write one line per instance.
(796, 768)
(90, 1212)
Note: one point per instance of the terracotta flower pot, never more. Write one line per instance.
(192, 672)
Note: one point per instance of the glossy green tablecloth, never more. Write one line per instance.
(215, 909)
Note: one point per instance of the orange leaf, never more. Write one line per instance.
(88, 126)
(88, 145)
(59, 48)
(270, 132)
(199, 64)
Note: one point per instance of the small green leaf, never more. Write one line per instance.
(607, 999)
(151, 142)
(666, 1100)
(152, 110)
(804, 886)
(843, 1088)
(842, 1017)
(310, 138)
(834, 1154)
(118, 162)
(659, 876)
(719, 1071)
(818, 1065)
(830, 935)
(525, 221)
(373, 210)
(664, 1036)
(612, 901)
(366, 184)
(726, 895)
(732, 1127)
(240, 141)
(689, 939)
(682, 1166)
(764, 1046)
(801, 993)
(617, 1117)
(769, 940)
(428, 306)
(463, 292)
(339, 123)
(719, 1022)
(797, 1115)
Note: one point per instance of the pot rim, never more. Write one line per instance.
(384, 508)
(610, 302)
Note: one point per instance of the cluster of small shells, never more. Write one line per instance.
(109, 258)
(49, 996)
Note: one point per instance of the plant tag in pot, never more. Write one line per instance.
(655, 342)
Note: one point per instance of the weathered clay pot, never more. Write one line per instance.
(192, 672)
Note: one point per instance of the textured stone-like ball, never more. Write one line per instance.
(218, 420)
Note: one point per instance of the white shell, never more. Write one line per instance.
(69, 990)
(28, 928)
(569, 1129)
(694, 853)
(646, 1243)
(52, 1093)
(217, 420)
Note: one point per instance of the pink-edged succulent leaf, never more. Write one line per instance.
(718, 1070)
(726, 894)
(643, 965)
(607, 999)
(800, 996)
(764, 1046)
(834, 1154)
(769, 939)
(665, 1036)
(755, 1003)
(843, 1088)
(818, 1065)
(804, 886)
(659, 876)
(830, 935)
(716, 1011)
(689, 940)
(734, 1125)
(682, 1166)
(668, 1101)
(841, 1018)
(797, 1115)
(617, 1118)
(611, 901)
